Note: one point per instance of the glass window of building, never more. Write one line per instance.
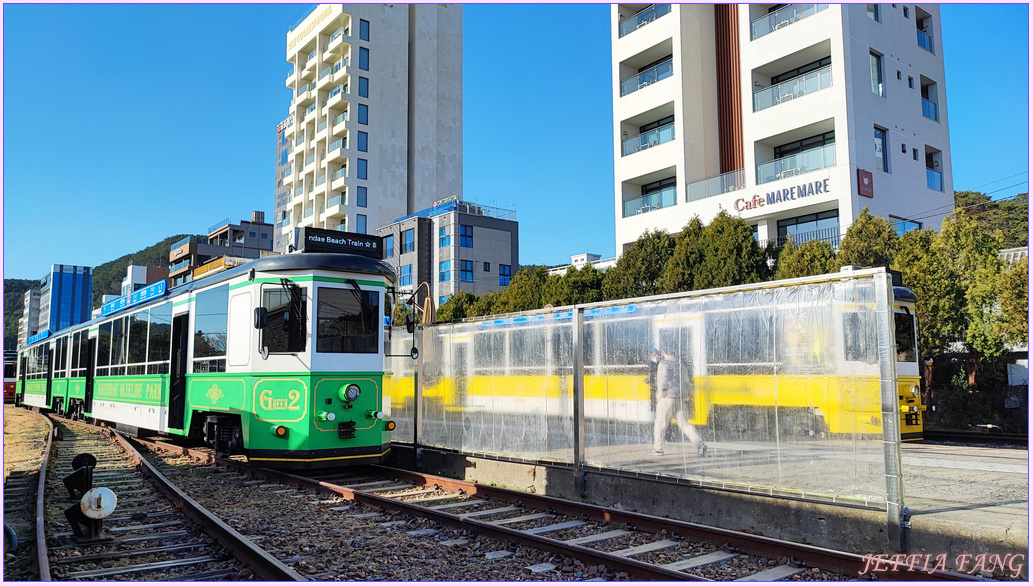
(466, 236)
(389, 246)
(363, 141)
(819, 226)
(360, 171)
(364, 58)
(363, 29)
(363, 114)
(487, 267)
(360, 196)
(405, 276)
(466, 271)
(873, 11)
(504, 275)
(444, 271)
(881, 153)
(876, 66)
(363, 87)
(408, 244)
(360, 223)
(444, 238)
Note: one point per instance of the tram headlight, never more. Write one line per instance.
(279, 431)
(914, 390)
(349, 393)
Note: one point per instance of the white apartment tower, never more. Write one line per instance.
(793, 117)
(375, 127)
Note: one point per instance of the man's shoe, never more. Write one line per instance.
(701, 449)
(655, 452)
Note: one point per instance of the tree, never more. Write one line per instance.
(814, 257)
(681, 271)
(1010, 216)
(457, 307)
(1014, 303)
(731, 256)
(524, 291)
(485, 304)
(640, 269)
(584, 285)
(869, 242)
(972, 258)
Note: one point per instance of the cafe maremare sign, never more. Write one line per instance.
(778, 196)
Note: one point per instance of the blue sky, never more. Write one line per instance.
(125, 124)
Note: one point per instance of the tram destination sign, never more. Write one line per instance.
(320, 240)
(152, 291)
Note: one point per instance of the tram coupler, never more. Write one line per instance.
(80, 482)
(87, 516)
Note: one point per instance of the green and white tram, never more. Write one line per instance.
(281, 358)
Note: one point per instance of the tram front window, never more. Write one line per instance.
(904, 325)
(346, 321)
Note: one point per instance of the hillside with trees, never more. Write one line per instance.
(14, 300)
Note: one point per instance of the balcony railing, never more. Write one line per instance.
(311, 108)
(300, 141)
(924, 40)
(730, 181)
(664, 198)
(325, 72)
(179, 266)
(803, 162)
(342, 172)
(321, 126)
(286, 172)
(300, 190)
(340, 117)
(335, 200)
(339, 143)
(929, 109)
(310, 159)
(336, 35)
(830, 235)
(782, 18)
(647, 77)
(284, 222)
(643, 18)
(321, 180)
(790, 89)
(311, 55)
(649, 139)
(308, 212)
(189, 239)
(934, 179)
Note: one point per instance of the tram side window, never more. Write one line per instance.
(346, 321)
(738, 343)
(74, 350)
(137, 343)
(119, 337)
(904, 324)
(284, 329)
(103, 349)
(9, 370)
(210, 324)
(159, 339)
(61, 357)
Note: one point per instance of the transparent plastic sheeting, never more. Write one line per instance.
(400, 384)
(783, 385)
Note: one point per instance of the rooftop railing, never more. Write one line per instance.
(803, 162)
(782, 18)
(730, 181)
(791, 89)
(642, 18)
(222, 223)
(647, 77)
(464, 207)
(189, 239)
(646, 140)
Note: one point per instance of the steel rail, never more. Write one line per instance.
(967, 437)
(806, 555)
(42, 553)
(264, 564)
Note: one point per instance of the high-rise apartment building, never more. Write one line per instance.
(375, 127)
(453, 246)
(793, 117)
(65, 296)
(28, 323)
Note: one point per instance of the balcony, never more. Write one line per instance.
(290, 76)
(334, 203)
(310, 113)
(337, 96)
(284, 222)
(724, 183)
(337, 180)
(643, 18)
(646, 140)
(924, 40)
(929, 110)
(321, 126)
(782, 18)
(830, 235)
(310, 160)
(647, 77)
(798, 164)
(337, 126)
(791, 89)
(664, 198)
(321, 180)
(308, 212)
(337, 150)
(933, 179)
(335, 45)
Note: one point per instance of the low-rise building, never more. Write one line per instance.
(453, 246)
(243, 239)
(579, 261)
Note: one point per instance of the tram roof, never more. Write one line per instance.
(326, 261)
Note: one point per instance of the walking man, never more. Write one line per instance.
(670, 401)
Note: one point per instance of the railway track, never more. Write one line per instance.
(154, 533)
(446, 513)
(977, 437)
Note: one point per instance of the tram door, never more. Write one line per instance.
(48, 358)
(178, 374)
(91, 365)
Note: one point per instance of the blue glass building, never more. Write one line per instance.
(66, 295)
